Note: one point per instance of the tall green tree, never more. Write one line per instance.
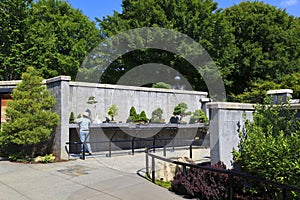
(249, 42)
(185, 16)
(58, 38)
(49, 35)
(30, 116)
(13, 26)
(266, 41)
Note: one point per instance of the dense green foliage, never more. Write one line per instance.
(269, 146)
(251, 42)
(13, 25)
(49, 35)
(265, 44)
(258, 90)
(254, 45)
(185, 16)
(30, 116)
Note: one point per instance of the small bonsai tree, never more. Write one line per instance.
(143, 117)
(162, 85)
(72, 118)
(156, 115)
(92, 100)
(112, 111)
(180, 110)
(133, 116)
(30, 116)
(198, 117)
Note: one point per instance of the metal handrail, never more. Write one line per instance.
(231, 174)
(133, 140)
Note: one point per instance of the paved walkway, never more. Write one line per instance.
(97, 177)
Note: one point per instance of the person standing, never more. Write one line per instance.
(84, 123)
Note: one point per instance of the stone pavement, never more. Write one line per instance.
(97, 177)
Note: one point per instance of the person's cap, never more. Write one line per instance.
(86, 114)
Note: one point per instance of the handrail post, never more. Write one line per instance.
(184, 170)
(165, 151)
(283, 193)
(83, 150)
(154, 138)
(230, 186)
(147, 162)
(109, 150)
(153, 169)
(132, 145)
(191, 151)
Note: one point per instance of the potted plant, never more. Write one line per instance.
(156, 116)
(112, 112)
(72, 118)
(180, 110)
(143, 118)
(198, 117)
(137, 118)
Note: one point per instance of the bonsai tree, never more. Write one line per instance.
(30, 116)
(180, 110)
(92, 100)
(156, 116)
(72, 118)
(143, 117)
(133, 116)
(198, 117)
(162, 85)
(112, 111)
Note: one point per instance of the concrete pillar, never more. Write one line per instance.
(60, 89)
(226, 120)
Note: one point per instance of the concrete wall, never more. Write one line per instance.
(226, 120)
(59, 88)
(147, 99)
(73, 96)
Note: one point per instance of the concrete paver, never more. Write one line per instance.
(97, 177)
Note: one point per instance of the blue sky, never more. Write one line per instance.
(101, 8)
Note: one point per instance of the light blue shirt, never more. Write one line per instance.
(83, 123)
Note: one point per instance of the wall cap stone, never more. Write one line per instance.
(280, 91)
(135, 88)
(230, 106)
(57, 78)
(295, 106)
(10, 83)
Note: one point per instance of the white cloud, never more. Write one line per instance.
(288, 2)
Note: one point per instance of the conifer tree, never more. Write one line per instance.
(30, 116)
